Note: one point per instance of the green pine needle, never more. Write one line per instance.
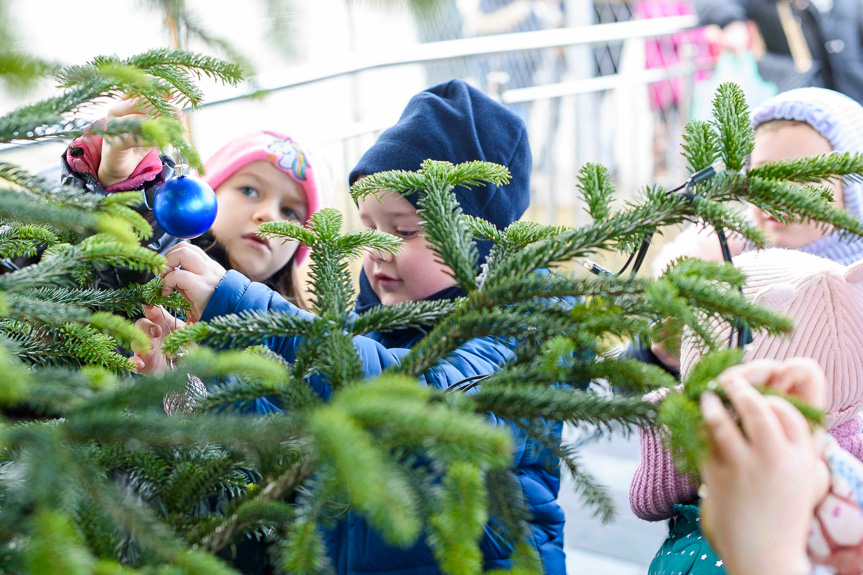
(597, 189)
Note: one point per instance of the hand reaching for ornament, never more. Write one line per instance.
(193, 274)
(764, 476)
(157, 324)
(122, 154)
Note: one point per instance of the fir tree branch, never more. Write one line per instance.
(152, 428)
(785, 201)
(634, 375)
(469, 174)
(32, 346)
(20, 72)
(354, 244)
(93, 348)
(399, 403)
(597, 189)
(249, 511)
(453, 332)
(555, 404)
(448, 234)
(456, 529)
(53, 269)
(394, 181)
(375, 485)
(701, 145)
(405, 315)
(593, 494)
(15, 205)
(521, 233)
(303, 549)
(42, 311)
(483, 230)
(734, 129)
(288, 231)
(192, 481)
(810, 170)
(245, 329)
(338, 361)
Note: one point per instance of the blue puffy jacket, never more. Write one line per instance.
(355, 548)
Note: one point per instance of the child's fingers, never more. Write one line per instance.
(756, 372)
(792, 421)
(154, 313)
(755, 415)
(137, 362)
(152, 329)
(728, 443)
(127, 107)
(187, 256)
(801, 377)
(160, 316)
(180, 280)
(822, 479)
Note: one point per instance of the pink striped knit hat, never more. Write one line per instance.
(825, 300)
(282, 152)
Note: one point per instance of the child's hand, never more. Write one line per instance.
(193, 274)
(156, 323)
(121, 155)
(762, 482)
(800, 376)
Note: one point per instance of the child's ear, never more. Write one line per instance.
(775, 297)
(854, 273)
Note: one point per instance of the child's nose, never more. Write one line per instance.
(266, 213)
(380, 256)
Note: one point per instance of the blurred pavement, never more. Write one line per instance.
(625, 546)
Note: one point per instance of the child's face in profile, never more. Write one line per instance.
(415, 273)
(786, 140)
(257, 193)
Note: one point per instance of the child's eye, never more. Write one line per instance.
(407, 234)
(290, 214)
(249, 191)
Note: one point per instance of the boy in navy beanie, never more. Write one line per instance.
(457, 123)
(451, 122)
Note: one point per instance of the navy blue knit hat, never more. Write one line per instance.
(455, 122)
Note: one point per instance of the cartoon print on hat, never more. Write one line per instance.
(288, 156)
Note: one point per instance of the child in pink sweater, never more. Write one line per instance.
(825, 299)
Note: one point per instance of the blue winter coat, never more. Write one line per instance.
(355, 548)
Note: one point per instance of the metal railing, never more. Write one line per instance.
(579, 38)
(474, 47)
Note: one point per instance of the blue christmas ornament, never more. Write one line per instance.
(185, 207)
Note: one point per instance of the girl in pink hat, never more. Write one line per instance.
(259, 177)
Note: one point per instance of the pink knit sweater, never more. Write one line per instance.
(657, 486)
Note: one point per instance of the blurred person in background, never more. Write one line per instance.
(492, 17)
(805, 42)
